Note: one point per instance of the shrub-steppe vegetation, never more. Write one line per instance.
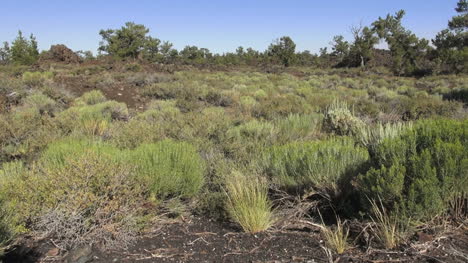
(100, 151)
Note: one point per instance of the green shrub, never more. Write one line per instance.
(41, 103)
(322, 165)
(340, 120)
(57, 153)
(90, 98)
(89, 199)
(298, 127)
(92, 119)
(169, 168)
(35, 79)
(24, 131)
(5, 228)
(421, 171)
(248, 203)
(129, 135)
(246, 141)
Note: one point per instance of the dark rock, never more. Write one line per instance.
(80, 255)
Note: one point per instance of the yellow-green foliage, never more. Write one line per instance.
(170, 168)
(24, 131)
(36, 78)
(298, 127)
(389, 229)
(247, 140)
(340, 120)
(90, 98)
(317, 164)
(248, 203)
(40, 102)
(336, 238)
(91, 193)
(90, 116)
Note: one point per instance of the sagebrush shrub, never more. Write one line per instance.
(90, 98)
(298, 127)
(36, 78)
(321, 165)
(92, 119)
(340, 120)
(24, 131)
(90, 199)
(247, 140)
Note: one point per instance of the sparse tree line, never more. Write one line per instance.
(407, 53)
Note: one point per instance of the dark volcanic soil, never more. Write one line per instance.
(201, 240)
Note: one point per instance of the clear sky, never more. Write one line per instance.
(217, 25)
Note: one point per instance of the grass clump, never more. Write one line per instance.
(388, 228)
(336, 238)
(248, 203)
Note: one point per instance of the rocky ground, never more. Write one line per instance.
(198, 239)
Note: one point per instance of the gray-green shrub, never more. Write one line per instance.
(321, 165)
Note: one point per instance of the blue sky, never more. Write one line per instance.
(217, 25)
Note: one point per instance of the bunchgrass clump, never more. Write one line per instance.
(388, 228)
(336, 238)
(248, 203)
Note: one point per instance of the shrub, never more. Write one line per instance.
(248, 203)
(36, 79)
(244, 142)
(40, 102)
(89, 199)
(340, 120)
(421, 171)
(5, 229)
(90, 98)
(371, 136)
(129, 135)
(92, 119)
(23, 132)
(170, 168)
(322, 165)
(57, 153)
(298, 127)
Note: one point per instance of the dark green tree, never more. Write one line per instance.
(5, 53)
(362, 49)
(340, 48)
(168, 53)
(24, 51)
(407, 50)
(130, 41)
(283, 50)
(195, 55)
(452, 43)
